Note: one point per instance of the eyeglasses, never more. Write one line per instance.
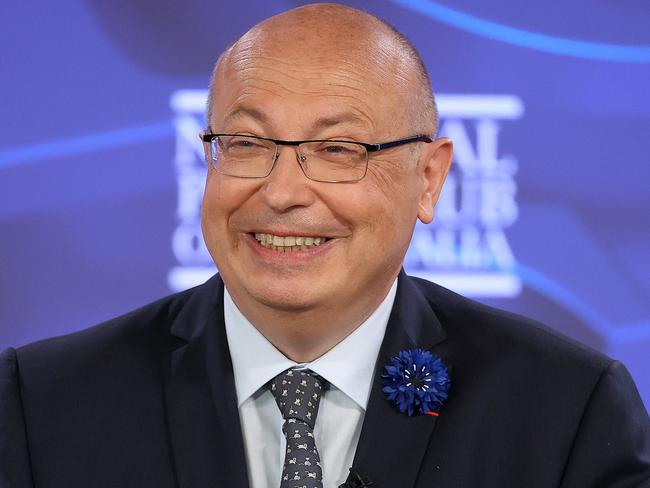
(324, 160)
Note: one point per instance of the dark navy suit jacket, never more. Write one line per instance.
(148, 400)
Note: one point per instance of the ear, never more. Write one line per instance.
(435, 161)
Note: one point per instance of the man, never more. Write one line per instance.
(277, 372)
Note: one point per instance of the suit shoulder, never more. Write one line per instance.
(487, 329)
(138, 331)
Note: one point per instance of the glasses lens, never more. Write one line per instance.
(334, 161)
(244, 156)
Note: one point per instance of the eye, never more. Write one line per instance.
(241, 143)
(334, 148)
(338, 151)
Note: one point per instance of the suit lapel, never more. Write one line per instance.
(392, 445)
(201, 399)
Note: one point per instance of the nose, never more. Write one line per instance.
(287, 186)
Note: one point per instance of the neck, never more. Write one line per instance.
(305, 335)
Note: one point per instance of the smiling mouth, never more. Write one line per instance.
(289, 243)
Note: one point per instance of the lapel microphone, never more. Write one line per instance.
(355, 480)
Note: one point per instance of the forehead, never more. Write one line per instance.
(360, 83)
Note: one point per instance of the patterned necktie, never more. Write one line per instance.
(297, 393)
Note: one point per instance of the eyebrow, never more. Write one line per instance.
(320, 123)
(240, 112)
(342, 118)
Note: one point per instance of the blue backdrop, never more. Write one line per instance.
(546, 212)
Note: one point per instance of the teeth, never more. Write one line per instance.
(288, 243)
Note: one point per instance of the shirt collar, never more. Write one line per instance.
(348, 366)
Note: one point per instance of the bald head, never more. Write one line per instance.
(356, 47)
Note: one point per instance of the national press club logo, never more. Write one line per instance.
(465, 249)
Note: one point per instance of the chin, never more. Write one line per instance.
(286, 302)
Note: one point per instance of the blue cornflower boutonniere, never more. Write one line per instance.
(416, 381)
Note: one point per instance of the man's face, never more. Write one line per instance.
(365, 227)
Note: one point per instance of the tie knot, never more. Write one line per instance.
(297, 393)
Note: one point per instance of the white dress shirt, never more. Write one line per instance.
(348, 367)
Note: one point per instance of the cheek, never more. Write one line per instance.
(216, 206)
(397, 179)
(396, 189)
(211, 203)
(210, 223)
(394, 223)
(381, 215)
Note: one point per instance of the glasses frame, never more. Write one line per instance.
(209, 136)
